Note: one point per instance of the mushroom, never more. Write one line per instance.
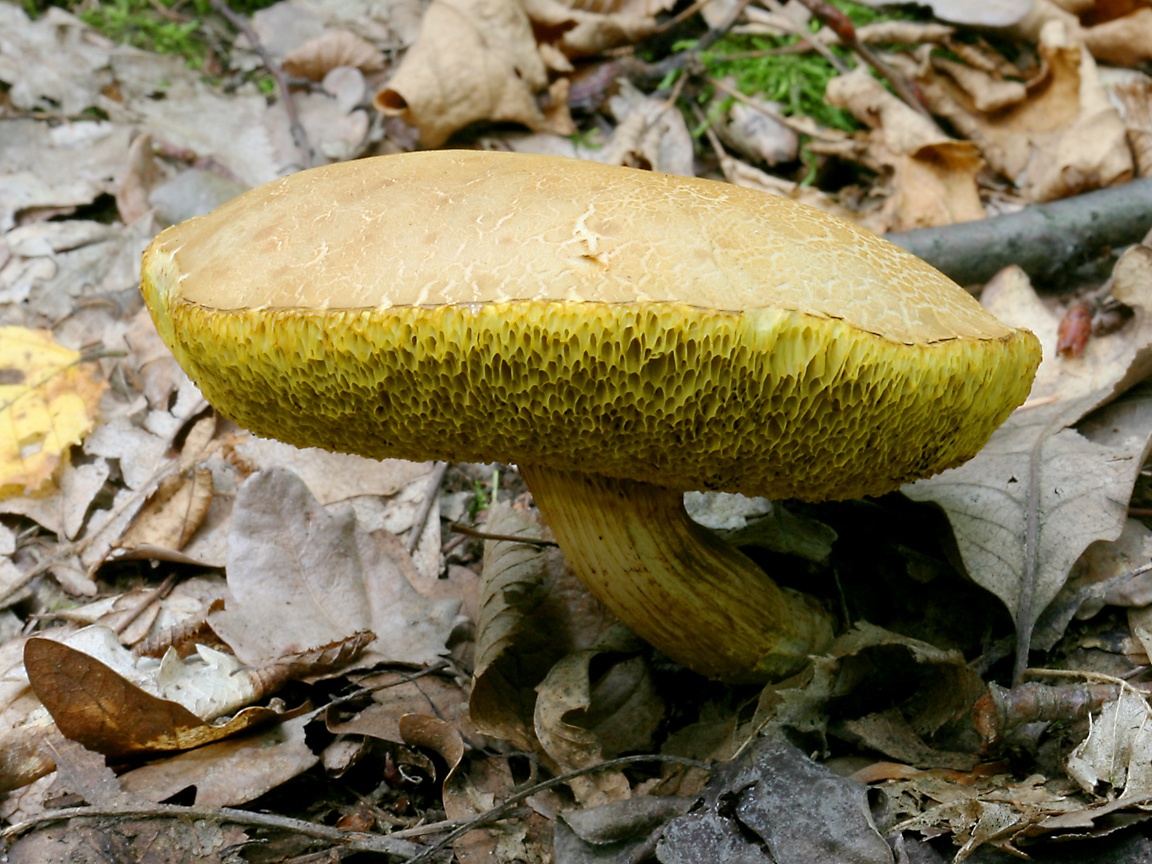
(622, 336)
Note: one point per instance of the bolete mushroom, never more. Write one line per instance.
(621, 335)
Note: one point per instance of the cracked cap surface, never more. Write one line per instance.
(502, 307)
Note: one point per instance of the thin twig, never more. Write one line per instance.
(784, 21)
(501, 810)
(838, 22)
(353, 840)
(430, 495)
(299, 136)
(457, 528)
(153, 595)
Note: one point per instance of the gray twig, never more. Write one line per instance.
(299, 136)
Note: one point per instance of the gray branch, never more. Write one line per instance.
(1046, 240)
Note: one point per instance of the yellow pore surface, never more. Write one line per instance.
(763, 402)
(502, 307)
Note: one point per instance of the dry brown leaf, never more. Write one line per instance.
(172, 513)
(317, 57)
(230, 772)
(533, 611)
(934, 177)
(580, 723)
(138, 180)
(475, 60)
(651, 134)
(48, 402)
(326, 578)
(94, 704)
(581, 32)
(1109, 574)
(1065, 138)
(1134, 97)
(1125, 41)
(988, 91)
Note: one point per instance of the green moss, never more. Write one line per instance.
(163, 26)
(770, 67)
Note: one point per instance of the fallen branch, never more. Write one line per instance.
(1046, 240)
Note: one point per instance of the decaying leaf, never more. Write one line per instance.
(1043, 489)
(532, 613)
(579, 722)
(934, 176)
(171, 514)
(651, 134)
(475, 60)
(325, 580)
(229, 772)
(1115, 760)
(774, 804)
(1063, 139)
(317, 57)
(106, 708)
(48, 402)
(585, 32)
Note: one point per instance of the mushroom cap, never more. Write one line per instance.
(504, 307)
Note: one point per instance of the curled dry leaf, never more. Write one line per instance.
(1065, 138)
(317, 57)
(1134, 99)
(584, 32)
(475, 60)
(934, 176)
(1117, 754)
(651, 134)
(106, 708)
(172, 513)
(580, 723)
(533, 612)
(1047, 484)
(48, 402)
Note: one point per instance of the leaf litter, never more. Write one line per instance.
(422, 710)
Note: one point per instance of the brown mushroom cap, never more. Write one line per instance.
(482, 306)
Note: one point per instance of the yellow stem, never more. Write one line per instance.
(702, 602)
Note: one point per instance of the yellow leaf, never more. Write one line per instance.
(48, 401)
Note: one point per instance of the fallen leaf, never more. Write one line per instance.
(475, 60)
(533, 612)
(934, 176)
(651, 134)
(1115, 759)
(1065, 138)
(584, 32)
(1043, 489)
(774, 804)
(324, 579)
(580, 723)
(105, 711)
(230, 772)
(48, 402)
(317, 57)
(1123, 41)
(172, 513)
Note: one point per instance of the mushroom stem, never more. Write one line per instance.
(677, 585)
